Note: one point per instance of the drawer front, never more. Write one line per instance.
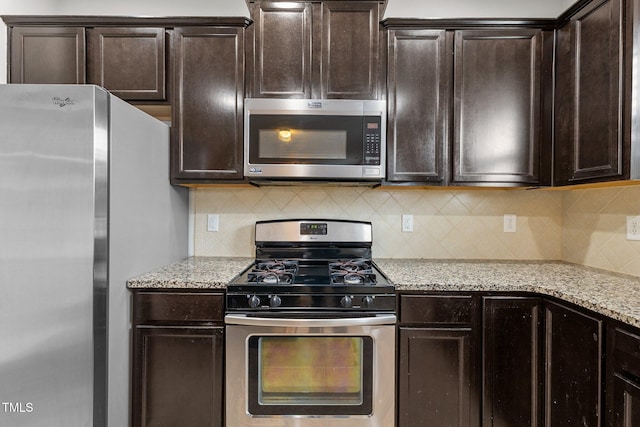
(627, 352)
(436, 310)
(186, 307)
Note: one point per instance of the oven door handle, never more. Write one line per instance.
(243, 319)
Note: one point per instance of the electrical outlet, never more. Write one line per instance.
(633, 228)
(407, 223)
(510, 223)
(213, 222)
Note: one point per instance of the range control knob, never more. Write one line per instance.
(346, 301)
(367, 302)
(254, 301)
(275, 301)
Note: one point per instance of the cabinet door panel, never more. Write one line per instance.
(435, 378)
(590, 100)
(626, 406)
(350, 50)
(513, 362)
(573, 386)
(179, 376)
(129, 62)
(419, 92)
(207, 103)
(497, 106)
(47, 55)
(282, 59)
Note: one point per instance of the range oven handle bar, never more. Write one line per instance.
(243, 319)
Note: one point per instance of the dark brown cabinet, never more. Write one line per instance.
(419, 90)
(497, 107)
(623, 376)
(513, 362)
(279, 60)
(207, 100)
(178, 359)
(469, 106)
(315, 50)
(41, 54)
(128, 62)
(593, 94)
(574, 355)
(437, 361)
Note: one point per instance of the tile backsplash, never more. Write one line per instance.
(594, 228)
(448, 224)
(580, 226)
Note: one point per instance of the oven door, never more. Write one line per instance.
(325, 372)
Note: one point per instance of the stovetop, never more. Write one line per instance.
(308, 265)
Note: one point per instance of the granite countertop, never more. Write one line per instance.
(610, 294)
(192, 273)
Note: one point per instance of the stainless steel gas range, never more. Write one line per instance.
(310, 330)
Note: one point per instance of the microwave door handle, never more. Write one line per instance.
(242, 319)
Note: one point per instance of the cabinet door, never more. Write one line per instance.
(418, 102)
(435, 378)
(573, 386)
(513, 362)
(128, 62)
(497, 106)
(626, 402)
(47, 55)
(350, 47)
(279, 60)
(590, 94)
(178, 376)
(207, 101)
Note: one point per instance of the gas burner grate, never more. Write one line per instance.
(273, 272)
(352, 272)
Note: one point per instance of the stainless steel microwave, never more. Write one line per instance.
(335, 139)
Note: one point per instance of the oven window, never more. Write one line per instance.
(306, 139)
(302, 144)
(310, 375)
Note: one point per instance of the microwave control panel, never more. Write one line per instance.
(372, 138)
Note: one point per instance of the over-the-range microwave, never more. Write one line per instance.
(309, 139)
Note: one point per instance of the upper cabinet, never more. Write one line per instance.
(593, 94)
(123, 55)
(321, 50)
(129, 62)
(497, 124)
(46, 54)
(419, 93)
(279, 56)
(469, 106)
(207, 101)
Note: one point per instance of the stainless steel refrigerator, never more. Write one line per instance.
(85, 204)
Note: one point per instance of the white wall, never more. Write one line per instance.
(476, 8)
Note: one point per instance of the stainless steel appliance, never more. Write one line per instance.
(85, 204)
(310, 330)
(324, 139)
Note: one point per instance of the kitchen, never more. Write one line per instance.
(582, 226)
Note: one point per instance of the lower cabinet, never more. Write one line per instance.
(435, 377)
(574, 358)
(178, 359)
(437, 363)
(524, 360)
(623, 376)
(626, 402)
(513, 362)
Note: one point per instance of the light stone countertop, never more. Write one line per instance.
(610, 294)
